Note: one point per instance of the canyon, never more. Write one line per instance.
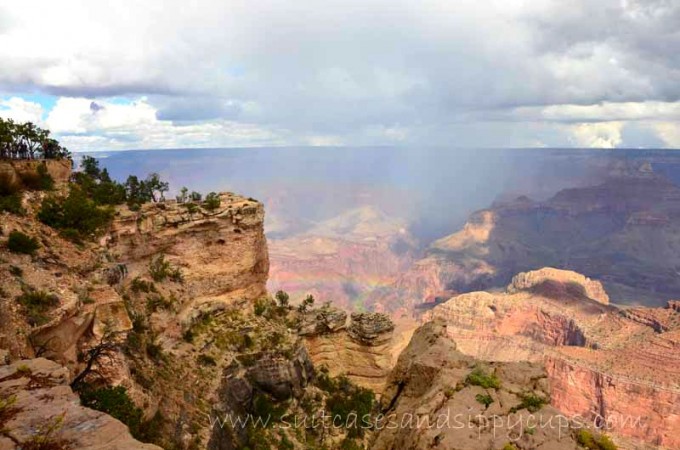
(177, 297)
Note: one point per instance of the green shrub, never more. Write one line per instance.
(478, 377)
(36, 305)
(16, 271)
(7, 408)
(587, 440)
(77, 216)
(40, 180)
(263, 306)
(11, 204)
(530, 402)
(266, 409)
(484, 399)
(509, 446)
(282, 298)
(160, 270)
(188, 336)
(154, 351)
(115, 402)
(212, 202)
(21, 243)
(206, 360)
(351, 399)
(45, 437)
(139, 285)
(156, 302)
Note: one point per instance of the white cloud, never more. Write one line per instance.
(86, 124)
(669, 132)
(597, 135)
(20, 110)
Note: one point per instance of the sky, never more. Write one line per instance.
(107, 75)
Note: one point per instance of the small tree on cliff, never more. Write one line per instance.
(282, 298)
(212, 202)
(156, 187)
(306, 303)
(106, 347)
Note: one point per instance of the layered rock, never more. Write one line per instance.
(362, 350)
(43, 409)
(429, 401)
(602, 361)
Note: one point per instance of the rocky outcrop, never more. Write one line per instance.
(430, 402)
(537, 279)
(43, 409)
(323, 320)
(369, 328)
(602, 361)
(223, 254)
(363, 350)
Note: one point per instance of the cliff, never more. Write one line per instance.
(222, 254)
(110, 295)
(601, 361)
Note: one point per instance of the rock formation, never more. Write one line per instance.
(362, 351)
(602, 361)
(14, 171)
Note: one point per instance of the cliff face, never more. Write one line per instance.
(601, 361)
(361, 350)
(105, 293)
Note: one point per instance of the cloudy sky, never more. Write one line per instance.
(470, 73)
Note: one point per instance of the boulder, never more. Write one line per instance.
(282, 378)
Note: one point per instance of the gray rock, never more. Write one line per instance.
(324, 320)
(367, 328)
